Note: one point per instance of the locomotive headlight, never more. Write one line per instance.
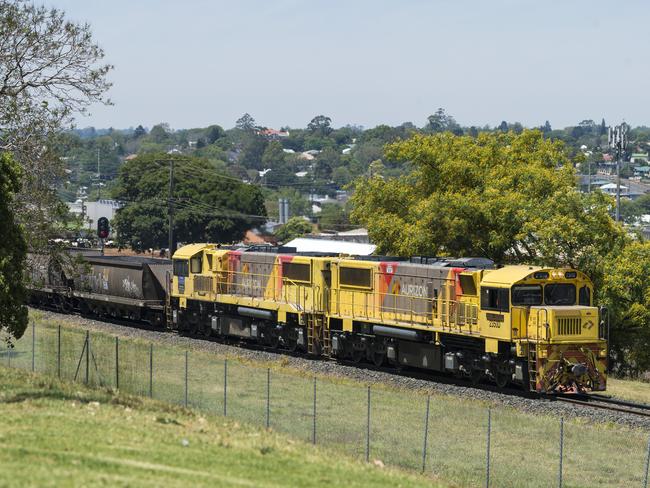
(602, 353)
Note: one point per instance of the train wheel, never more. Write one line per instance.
(358, 355)
(476, 377)
(378, 358)
(274, 339)
(291, 342)
(502, 379)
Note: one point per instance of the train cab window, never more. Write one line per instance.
(527, 295)
(584, 296)
(560, 294)
(181, 267)
(467, 284)
(496, 299)
(195, 264)
(358, 277)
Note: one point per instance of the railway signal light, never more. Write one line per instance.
(103, 228)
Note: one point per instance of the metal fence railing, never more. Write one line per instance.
(449, 438)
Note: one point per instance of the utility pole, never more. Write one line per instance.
(171, 208)
(99, 179)
(617, 140)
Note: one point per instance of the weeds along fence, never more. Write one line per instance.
(441, 436)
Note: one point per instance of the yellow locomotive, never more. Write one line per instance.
(536, 327)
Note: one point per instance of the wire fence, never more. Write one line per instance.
(441, 436)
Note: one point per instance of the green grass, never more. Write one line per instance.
(636, 391)
(62, 434)
(524, 449)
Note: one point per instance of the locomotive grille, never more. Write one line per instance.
(203, 283)
(569, 326)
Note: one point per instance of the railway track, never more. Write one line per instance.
(605, 403)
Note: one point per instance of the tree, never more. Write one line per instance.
(546, 128)
(273, 156)
(13, 251)
(333, 217)
(139, 132)
(208, 206)
(160, 133)
(245, 123)
(320, 125)
(508, 197)
(603, 128)
(295, 227)
(214, 133)
(626, 293)
(49, 71)
(503, 126)
(441, 121)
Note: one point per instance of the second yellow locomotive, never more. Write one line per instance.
(531, 326)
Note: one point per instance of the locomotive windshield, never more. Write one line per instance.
(560, 294)
(181, 267)
(527, 295)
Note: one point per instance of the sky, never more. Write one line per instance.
(194, 63)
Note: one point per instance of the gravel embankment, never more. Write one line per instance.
(437, 385)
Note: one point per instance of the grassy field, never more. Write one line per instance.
(524, 449)
(62, 434)
(636, 391)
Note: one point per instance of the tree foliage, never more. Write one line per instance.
(626, 293)
(295, 227)
(13, 250)
(209, 207)
(48, 72)
(509, 197)
(320, 125)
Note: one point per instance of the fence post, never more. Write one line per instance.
(426, 435)
(117, 363)
(368, 429)
(87, 355)
(151, 370)
(647, 465)
(225, 387)
(487, 465)
(186, 367)
(313, 433)
(268, 397)
(559, 474)
(33, 346)
(58, 352)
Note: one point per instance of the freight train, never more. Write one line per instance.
(513, 325)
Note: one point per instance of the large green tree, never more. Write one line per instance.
(50, 69)
(13, 249)
(295, 227)
(208, 205)
(510, 197)
(626, 293)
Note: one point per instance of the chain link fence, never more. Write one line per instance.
(444, 437)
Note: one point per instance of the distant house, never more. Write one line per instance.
(304, 244)
(273, 134)
(92, 211)
(639, 158)
(642, 171)
(610, 189)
